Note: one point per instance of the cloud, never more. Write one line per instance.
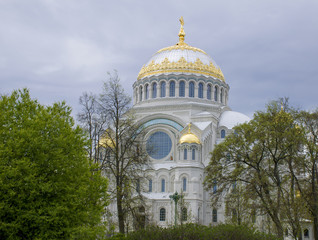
(59, 49)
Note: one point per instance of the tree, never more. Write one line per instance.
(306, 172)
(48, 188)
(119, 145)
(240, 207)
(260, 155)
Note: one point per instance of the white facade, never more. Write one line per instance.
(182, 87)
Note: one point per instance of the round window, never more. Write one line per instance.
(159, 145)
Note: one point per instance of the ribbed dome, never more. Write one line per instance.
(106, 140)
(189, 137)
(181, 58)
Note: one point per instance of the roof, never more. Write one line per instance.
(181, 58)
(230, 119)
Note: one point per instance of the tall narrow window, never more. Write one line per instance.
(150, 185)
(222, 133)
(138, 186)
(254, 216)
(136, 95)
(234, 215)
(146, 92)
(182, 89)
(162, 215)
(214, 215)
(140, 94)
(215, 186)
(154, 90)
(306, 233)
(184, 184)
(191, 89)
(185, 154)
(193, 154)
(221, 96)
(163, 89)
(163, 185)
(184, 213)
(200, 90)
(208, 92)
(216, 93)
(172, 89)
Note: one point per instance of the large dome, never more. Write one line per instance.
(181, 58)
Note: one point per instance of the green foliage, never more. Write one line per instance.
(264, 156)
(198, 232)
(48, 189)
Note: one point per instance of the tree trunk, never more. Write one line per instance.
(316, 226)
(279, 227)
(120, 212)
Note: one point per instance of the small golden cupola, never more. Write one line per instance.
(189, 137)
(106, 140)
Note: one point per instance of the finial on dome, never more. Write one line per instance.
(281, 106)
(189, 131)
(181, 32)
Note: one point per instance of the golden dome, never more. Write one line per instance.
(107, 143)
(106, 140)
(189, 137)
(181, 58)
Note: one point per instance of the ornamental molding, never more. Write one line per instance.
(181, 66)
(212, 107)
(182, 46)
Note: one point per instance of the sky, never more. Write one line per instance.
(59, 49)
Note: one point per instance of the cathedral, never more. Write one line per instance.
(181, 98)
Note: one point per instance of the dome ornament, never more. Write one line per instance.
(189, 131)
(181, 33)
(189, 137)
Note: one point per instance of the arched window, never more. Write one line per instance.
(140, 94)
(234, 214)
(215, 186)
(193, 154)
(136, 95)
(138, 186)
(184, 184)
(191, 89)
(146, 92)
(216, 93)
(200, 91)
(163, 89)
(286, 232)
(150, 185)
(254, 217)
(208, 92)
(222, 133)
(184, 216)
(214, 215)
(221, 96)
(163, 185)
(306, 233)
(234, 186)
(162, 215)
(182, 89)
(185, 154)
(154, 90)
(172, 89)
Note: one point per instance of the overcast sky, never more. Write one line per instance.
(61, 48)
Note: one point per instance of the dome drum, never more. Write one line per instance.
(199, 88)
